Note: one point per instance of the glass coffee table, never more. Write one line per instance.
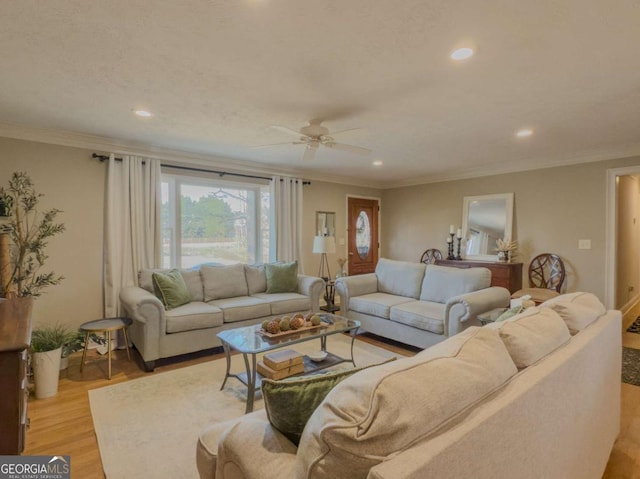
(250, 343)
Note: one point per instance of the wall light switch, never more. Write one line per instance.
(584, 244)
(341, 241)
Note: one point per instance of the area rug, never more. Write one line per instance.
(631, 366)
(148, 427)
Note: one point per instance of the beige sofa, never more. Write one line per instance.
(223, 297)
(417, 304)
(523, 398)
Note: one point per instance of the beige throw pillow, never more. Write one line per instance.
(224, 281)
(588, 300)
(575, 315)
(256, 278)
(531, 335)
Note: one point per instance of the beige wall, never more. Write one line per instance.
(73, 183)
(319, 196)
(554, 208)
(627, 261)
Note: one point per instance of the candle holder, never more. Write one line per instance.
(459, 241)
(450, 247)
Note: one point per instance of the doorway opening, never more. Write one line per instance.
(622, 242)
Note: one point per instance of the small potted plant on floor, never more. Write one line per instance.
(74, 343)
(47, 342)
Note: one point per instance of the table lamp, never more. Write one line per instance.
(324, 245)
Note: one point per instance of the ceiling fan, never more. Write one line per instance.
(314, 135)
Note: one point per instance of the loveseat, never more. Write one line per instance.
(534, 396)
(222, 297)
(418, 304)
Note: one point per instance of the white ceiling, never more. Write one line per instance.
(217, 74)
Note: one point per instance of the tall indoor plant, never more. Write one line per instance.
(21, 279)
(29, 230)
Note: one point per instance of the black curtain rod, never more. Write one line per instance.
(199, 170)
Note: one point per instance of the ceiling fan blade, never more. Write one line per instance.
(358, 150)
(309, 153)
(344, 131)
(278, 144)
(287, 130)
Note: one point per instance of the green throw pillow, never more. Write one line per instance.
(291, 402)
(509, 313)
(282, 277)
(171, 289)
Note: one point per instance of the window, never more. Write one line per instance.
(213, 221)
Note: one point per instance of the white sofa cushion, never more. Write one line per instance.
(381, 411)
(376, 304)
(441, 283)
(256, 278)
(575, 315)
(191, 278)
(242, 307)
(194, 315)
(425, 315)
(532, 334)
(286, 302)
(226, 281)
(578, 310)
(401, 278)
(589, 300)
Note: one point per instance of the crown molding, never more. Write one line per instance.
(521, 166)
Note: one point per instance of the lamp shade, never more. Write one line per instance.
(324, 244)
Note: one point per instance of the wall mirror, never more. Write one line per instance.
(485, 219)
(325, 223)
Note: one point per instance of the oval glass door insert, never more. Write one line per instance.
(363, 235)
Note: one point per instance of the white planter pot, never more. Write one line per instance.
(46, 370)
(64, 363)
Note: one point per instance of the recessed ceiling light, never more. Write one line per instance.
(377, 163)
(462, 54)
(524, 133)
(143, 113)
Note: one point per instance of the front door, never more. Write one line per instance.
(362, 235)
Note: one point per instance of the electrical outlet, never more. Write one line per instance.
(341, 241)
(584, 244)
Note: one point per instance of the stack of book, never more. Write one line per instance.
(281, 364)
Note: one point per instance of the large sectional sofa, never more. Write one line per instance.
(222, 297)
(419, 304)
(535, 396)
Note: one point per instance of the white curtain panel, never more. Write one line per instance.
(286, 231)
(132, 225)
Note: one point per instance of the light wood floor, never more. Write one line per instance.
(62, 425)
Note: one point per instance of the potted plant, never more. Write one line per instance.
(506, 249)
(21, 279)
(29, 230)
(46, 352)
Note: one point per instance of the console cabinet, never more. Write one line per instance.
(507, 275)
(15, 337)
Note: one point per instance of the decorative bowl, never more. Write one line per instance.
(317, 356)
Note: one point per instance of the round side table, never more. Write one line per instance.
(105, 326)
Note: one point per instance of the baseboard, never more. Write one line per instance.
(630, 311)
